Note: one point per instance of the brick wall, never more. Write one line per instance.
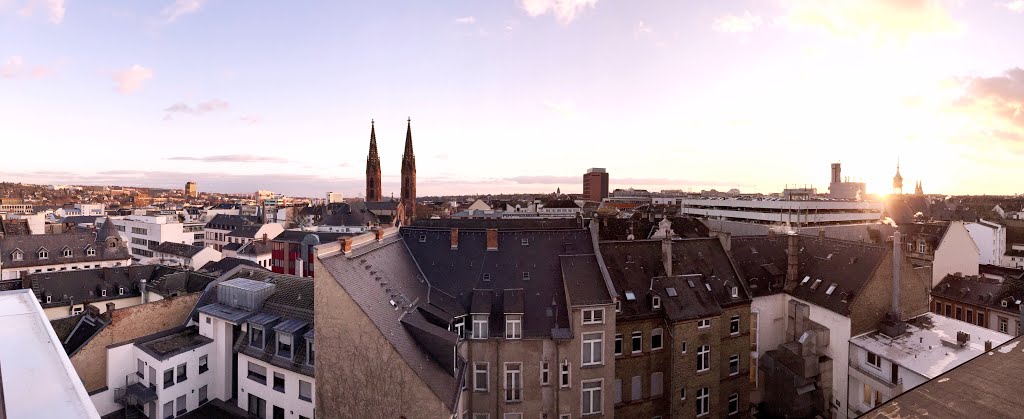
(868, 308)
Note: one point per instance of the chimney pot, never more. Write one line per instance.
(492, 239)
(110, 307)
(988, 345)
(455, 238)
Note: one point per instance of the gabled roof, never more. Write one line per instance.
(295, 236)
(78, 242)
(848, 265)
(931, 232)
(254, 248)
(246, 231)
(981, 291)
(178, 249)
(351, 214)
(230, 222)
(85, 286)
(499, 223)
(226, 264)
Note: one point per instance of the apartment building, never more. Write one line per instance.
(217, 228)
(942, 247)
(21, 255)
(990, 301)
(143, 233)
(527, 314)
(292, 251)
(683, 333)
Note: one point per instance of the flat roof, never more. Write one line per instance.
(988, 386)
(38, 379)
(921, 349)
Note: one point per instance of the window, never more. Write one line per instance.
(959, 313)
(593, 316)
(480, 376)
(120, 291)
(526, 275)
(617, 391)
(545, 373)
(513, 382)
(618, 306)
(734, 325)
(513, 326)
(682, 345)
(704, 358)
(593, 348)
(140, 370)
(257, 407)
(279, 382)
(310, 354)
(168, 377)
(657, 382)
(565, 374)
(49, 299)
(142, 231)
(970, 316)
(18, 255)
(656, 340)
(638, 341)
(257, 373)
(734, 365)
(182, 408)
(43, 254)
(981, 320)
(90, 251)
(636, 389)
(203, 394)
(656, 302)
(1004, 325)
(480, 326)
(703, 404)
(734, 404)
(618, 344)
(513, 416)
(66, 253)
(682, 393)
(874, 360)
(703, 323)
(169, 409)
(103, 293)
(423, 239)
(182, 372)
(460, 327)
(305, 391)
(481, 415)
(591, 397)
(525, 242)
(284, 345)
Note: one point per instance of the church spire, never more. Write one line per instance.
(409, 175)
(897, 181)
(408, 141)
(373, 188)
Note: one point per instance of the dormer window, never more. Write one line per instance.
(487, 276)
(18, 255)
(459, 327)
(618, 306)
(103, 293)
(43, 254)
(513, 326)
(734, 292)
(120, 291)
(90, 251)
(310, 354)
(526, 275)
(480, 326)
(284, 345)
(656, 302)
(1004, 303)
(255, 336)
(49, 299)
(66, 252)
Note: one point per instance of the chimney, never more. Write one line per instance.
(666, 254)
(492, 239)
(455, 238)
(792, 261)
(380, 234)
(346, 244)
(988, 345)
(897, 273)
(142, 290)
(264, 238)
(726, 239)
(110, 307)
(26, 282)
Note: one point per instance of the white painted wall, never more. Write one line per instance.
(221, 354)
(990, 239)
(956, 253)
(289, 400)
(195, 262)
(771, 330)
(68, 310)
(155, 229)
(189, 387)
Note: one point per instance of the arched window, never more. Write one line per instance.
(66, 252)
(90, 251)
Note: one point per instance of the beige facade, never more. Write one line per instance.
(955, 253)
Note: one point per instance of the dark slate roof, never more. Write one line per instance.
(168, 343)
(611, 228)
(232, 246)
(499, 223)
(381, 205)
(351, 214)
(1014, 235)
(361, 273)
(85, 286)
(183, 282)
(63, 327)
(15, 227)
(580, 273)
(930, 232)
(247, 231)
(294, 236)
(226, 264)
(471, 266)
(107, 230)
(636, 266)
(849, 265)
(1001, 271)
(178, 249)
(254, 248)
(80, 219)
(987, 386)
(86, 327)
(54, 244)
(230, 222)
(560, 203)
(981, 291)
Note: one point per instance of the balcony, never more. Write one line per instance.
(134, 393)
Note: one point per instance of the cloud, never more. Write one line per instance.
(232, 158)
(744, 23)
(465, 20)
(11, 67)
(563, 10)
(874, 20)
(180, 8)
(641, 29)
(995, 105)
(54, 9)
(251, 119)
(130, 81)
(1016, 6)
(198, 110)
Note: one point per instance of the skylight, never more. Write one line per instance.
(630, 296)
(708, 286)
(806, 278)
(671, 292)
(830, 289)
(817, 282)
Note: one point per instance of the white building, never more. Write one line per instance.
(258, 251)
(38, 378)
(883, 367)
(335, 198)
(990, 238)
(142, 233)
(793, 213)
(183, 255)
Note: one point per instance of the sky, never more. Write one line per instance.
(514, 95)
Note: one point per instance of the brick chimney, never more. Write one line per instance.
(110, 307)
(455, 238)
(666, 254)
(379, 234)
(492, 239)
(792, 261)
(264, 238)
(346, 244)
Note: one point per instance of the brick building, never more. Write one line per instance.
(682, 340)
(595, 184)
(989, 301)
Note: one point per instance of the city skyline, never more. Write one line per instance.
(519, 96)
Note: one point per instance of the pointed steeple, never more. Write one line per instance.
(108, 230)
(408, 141)
(373, 177)
(897, 181)
(409, 175)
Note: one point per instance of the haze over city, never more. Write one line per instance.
(513, 96)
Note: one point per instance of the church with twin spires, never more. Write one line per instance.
(405, 208)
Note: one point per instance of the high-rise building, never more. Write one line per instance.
(190, 190)
(409, 175)
(595, 184)
(373, 191)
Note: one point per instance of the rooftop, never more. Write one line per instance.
(169, 343)
(32, 358)
(922, 348)
(988, 386)
(178, 249)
